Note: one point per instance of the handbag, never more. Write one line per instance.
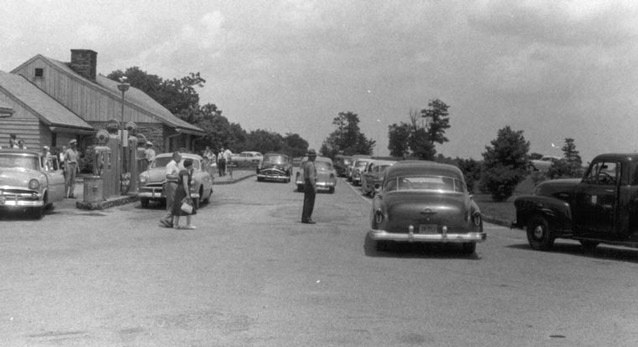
(187, 206)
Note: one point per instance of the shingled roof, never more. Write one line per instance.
(47, 109)
(134, 96)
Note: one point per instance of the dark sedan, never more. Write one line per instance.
(423, 201)
(275, 167)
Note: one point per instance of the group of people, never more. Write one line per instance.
(14, 142)
(222, 159)
(177, 189)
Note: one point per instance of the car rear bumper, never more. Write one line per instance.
(382, 235)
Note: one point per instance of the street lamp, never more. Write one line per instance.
(123, 87)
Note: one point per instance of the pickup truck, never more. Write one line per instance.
(602, 207)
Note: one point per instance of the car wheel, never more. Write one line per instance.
(332, 190)
(207, 200)
(589, 245)
(144, 202)
(299, 187)
(539, 234)
(260, 179)
(469, 247)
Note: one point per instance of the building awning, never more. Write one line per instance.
(63, 129)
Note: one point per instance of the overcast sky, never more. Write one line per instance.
(554, 69)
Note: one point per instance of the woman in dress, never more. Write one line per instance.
(184, 191)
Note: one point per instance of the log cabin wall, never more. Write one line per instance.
(25, 125)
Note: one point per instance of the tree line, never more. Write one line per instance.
(505, 164)
(180, 97)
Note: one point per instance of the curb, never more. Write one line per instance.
(123, 200)
(498, 221)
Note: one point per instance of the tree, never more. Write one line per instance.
(420, 136)
(295, 145)
(399, 140)
(471, 171)
(505, 163)
(347, 139)
(571, 165)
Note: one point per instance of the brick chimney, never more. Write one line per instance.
(84, 62)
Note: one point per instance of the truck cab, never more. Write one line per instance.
(602, 207)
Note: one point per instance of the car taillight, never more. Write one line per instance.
(34, 184)
(378, 216)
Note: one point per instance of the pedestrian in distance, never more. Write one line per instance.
(170, 186)
(183, 194)
(13, 141)
(221, 162)
(310, 187)
(71, 156)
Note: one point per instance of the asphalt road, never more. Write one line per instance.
(253, 275)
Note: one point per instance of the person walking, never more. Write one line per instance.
(70, 168)
(182, 194)
(221, 162)
(310, 187)
(172, 178)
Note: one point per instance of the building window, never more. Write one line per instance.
(39, 72)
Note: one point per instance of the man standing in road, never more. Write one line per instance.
(221, 162)
(70, 168)
(172, 177)
(310, 187)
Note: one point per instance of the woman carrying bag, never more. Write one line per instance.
(183, 200)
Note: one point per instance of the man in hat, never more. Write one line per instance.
(170, 186)
(71, 156)
(310, 187)
(149, 152)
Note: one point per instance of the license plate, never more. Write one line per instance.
(428, 229)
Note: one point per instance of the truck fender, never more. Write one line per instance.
(556, 211)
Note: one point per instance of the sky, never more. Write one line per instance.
(553, 69)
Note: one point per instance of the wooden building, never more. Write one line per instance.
(97, 100)
(34, 116)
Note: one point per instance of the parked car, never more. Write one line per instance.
(151, 182)
(326, 175)
(247, 157)
(544, 163)
(373, 175)
(599, 208)
(274, 166)
(350, 168)
(423, 201)
(29, 181)
(341, 164)
(358, 166)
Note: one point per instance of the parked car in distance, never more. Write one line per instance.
(275, 167)
(424, 201)
(358, 167)
(341, 164)
(350, 168)
(326, 175)
(151, 182)
(599, 208)
(247, 157)
(373, 175)
(29, 181)
(544, 163)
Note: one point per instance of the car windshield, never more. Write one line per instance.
(30, 162)
(275, 159)
(379, 168)
(437, 183)
(161, 162)
(323, 165)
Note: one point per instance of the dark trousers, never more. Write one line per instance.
(169, 192)
(308, 202)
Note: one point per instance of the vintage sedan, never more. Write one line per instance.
(358, 167)
(274, 166)
(326, 175)
(423, 201)
(29, 181)
(341, 164)
(151, 182)
(373, 175)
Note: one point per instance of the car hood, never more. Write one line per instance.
(405, 208)
(156, 174)
(17, 177)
